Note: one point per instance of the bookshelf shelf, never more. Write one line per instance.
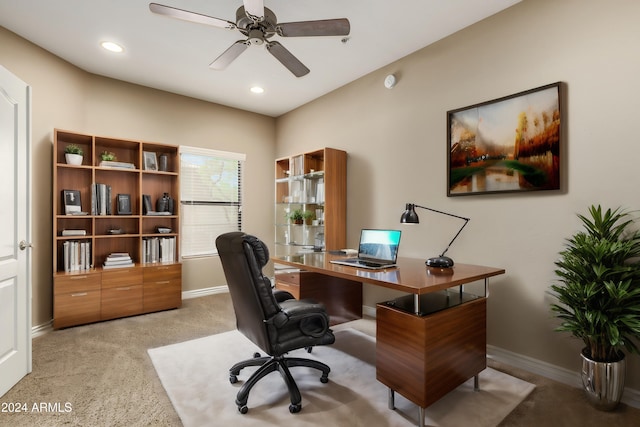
(77, 298)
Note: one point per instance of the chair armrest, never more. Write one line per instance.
(312, 318)
(281, 295)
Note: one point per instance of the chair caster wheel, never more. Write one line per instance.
(324, 379)
(295, 408)
(243, 409)
(233, 379)
(256, 355)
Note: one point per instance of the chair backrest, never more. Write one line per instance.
(243, 256)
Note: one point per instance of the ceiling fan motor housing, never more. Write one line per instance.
(256, 31)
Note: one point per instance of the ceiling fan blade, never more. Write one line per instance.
(254, 9)
(229, 55)
(326, 27)
(287, 59)
(190, 16)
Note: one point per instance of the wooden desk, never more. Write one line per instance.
(428, 342)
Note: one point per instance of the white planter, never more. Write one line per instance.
(73, 159)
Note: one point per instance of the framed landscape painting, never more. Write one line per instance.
(510, 144)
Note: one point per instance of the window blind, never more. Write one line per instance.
(210, 198)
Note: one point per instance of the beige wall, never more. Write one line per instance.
(396, 140)
(68, 98)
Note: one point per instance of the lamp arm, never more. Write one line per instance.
(466, 220)
(444, 213)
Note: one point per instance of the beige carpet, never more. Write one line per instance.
(196, 378)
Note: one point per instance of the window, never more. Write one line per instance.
(210, 198)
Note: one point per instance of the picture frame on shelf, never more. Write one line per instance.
(506, 145)
(124, 204)
(71, 202)
(150, 161)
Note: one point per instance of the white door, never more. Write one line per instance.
(15, 230)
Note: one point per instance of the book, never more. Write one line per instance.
(118, 260)
(146, 203)
(71, 201)
(130, 264)
(76, 255)
(113, 164)
(102, 202)
(67, 232)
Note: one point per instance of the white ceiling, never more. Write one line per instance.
(174, 55)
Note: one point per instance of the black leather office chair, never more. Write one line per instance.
(274, 321)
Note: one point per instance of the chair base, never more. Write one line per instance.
(268, 364)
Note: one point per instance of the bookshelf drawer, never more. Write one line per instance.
(120, 301)
(162, 273)
(162, 295)
(87, 281)
(121, 277)
(76, 308)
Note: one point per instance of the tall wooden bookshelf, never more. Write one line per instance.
(314, 182)
(85, 291)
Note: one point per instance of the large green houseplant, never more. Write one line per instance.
(598, 286)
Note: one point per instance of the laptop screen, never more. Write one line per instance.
(379, 245)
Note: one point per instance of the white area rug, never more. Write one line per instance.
(196, 377)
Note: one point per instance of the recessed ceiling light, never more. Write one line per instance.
(257, 89)
(112, 47)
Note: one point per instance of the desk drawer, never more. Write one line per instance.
(291, 277)
(293, 289)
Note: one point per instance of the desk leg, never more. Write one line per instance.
(392, 406)
(476, 383)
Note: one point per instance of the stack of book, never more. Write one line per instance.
(118, 260)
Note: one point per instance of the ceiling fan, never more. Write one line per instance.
(259, 24)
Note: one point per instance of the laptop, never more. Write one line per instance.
(377, 249)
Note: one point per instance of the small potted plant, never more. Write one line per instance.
(108, 156)
(298, 216)
(598, 299)
(73, 154)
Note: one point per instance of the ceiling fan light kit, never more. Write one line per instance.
(258, 24)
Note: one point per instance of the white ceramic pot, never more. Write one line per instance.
(73, 159)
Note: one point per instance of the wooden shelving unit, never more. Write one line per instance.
(315, 182)
(91, 293)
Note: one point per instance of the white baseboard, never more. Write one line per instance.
(45, 328)
(204, 292)
(630, 397)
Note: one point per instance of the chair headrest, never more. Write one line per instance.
(260, 250)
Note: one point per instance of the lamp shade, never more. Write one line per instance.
(410, 216)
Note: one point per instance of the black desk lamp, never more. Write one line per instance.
(411, 217)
